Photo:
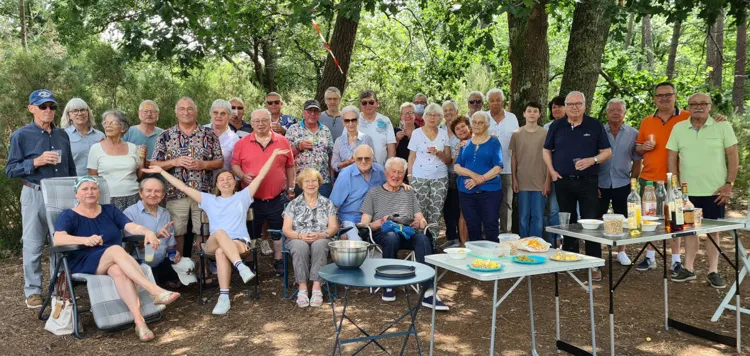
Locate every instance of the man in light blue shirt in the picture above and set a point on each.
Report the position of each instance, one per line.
(145, 133)
(147, 212)
(353, 184)
(615, 173)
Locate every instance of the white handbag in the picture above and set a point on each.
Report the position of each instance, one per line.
(60, 321)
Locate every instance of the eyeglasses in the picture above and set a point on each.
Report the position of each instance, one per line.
(46, 106)
(410, 113)
(576, 105)
(363, 159)
(350, 121)
(664, 96)
(238, 108)
(188, 109)
(333, 99)
(698, 105)
(150, 112)
(110, 123)
(368, 102)
(78, 111)
(475, 102)
(273, 102)
(263, 121)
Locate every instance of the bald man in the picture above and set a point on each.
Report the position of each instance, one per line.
(352, 185)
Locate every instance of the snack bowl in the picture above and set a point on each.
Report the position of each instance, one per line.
(590, 224)
(457, 253)
(650, 225)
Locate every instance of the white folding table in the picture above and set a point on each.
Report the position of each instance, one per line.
(512, 270)
(649, 238)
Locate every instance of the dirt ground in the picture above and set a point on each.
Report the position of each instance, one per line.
(271, 326)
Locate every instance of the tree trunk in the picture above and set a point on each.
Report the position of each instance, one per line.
(629, 35)
(647, 42)
(673, 49)
(529, 58)
(270, 58)
(342, 45)
(714, 56)
(257, 66)
(588, 37)
(22, 17)
(738, 90)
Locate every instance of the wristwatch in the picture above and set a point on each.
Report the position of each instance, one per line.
(730, 183)
(596, 160)
(291, 189)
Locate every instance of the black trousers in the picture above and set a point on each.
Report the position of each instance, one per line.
(451, 214)
(164, 273)
(267, 210)
(583, 192)
(618, 197)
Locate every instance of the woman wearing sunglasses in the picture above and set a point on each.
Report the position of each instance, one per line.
(377, 126)
(343, 147)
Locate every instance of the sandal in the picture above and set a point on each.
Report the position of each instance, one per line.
(317, 298)
(144, 334)
(303, 301)
(165, 298)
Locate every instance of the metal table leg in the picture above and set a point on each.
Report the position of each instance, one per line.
(666, 286)
(557, 314)
(591, 311)
(611, 305)
(494, 316)
(531, 316)
(434, 301)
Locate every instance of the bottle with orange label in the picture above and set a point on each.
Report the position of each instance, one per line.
(635, 226)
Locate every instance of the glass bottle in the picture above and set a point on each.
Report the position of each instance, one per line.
(649, 200)
(661, 198)
(675, 207)
(668, 204)
(688, 208)
(635, 226)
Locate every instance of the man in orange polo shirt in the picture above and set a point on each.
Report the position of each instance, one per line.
(652, 146)
(277, 189)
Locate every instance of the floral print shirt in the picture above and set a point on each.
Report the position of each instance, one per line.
(201, 144)
(306, 219)
(287, 121)
(319, 157)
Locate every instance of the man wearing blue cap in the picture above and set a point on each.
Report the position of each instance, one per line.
(38, 150)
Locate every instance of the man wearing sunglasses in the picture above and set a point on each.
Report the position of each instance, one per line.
(236, 119)
(38, 150)
(279, 122)
(352, 185)
(475, 101)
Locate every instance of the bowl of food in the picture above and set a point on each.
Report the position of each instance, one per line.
(649, 218)
(349, 254)
(590, 224)
(650, 225)
(457, 253)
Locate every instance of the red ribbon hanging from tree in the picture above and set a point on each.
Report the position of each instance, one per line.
(336, 61)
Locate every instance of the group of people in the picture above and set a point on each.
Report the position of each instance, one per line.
(343, 167)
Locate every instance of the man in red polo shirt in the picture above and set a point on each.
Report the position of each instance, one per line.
(250, 154)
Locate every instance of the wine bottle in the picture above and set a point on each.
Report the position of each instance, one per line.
(688, 207)
(635, 226)
(677, 220)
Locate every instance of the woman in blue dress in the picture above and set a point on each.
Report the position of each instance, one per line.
(227, 215)
(99, 228)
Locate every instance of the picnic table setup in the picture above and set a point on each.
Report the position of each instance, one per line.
(531, 260)
(741, 266)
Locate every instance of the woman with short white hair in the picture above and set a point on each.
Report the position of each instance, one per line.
(343, 147)
(78, 122)
(221, 111)
(429, 157)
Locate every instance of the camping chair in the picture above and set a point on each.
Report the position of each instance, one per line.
(365, 231)
(203, 260)
(285, 253)
(109, 311)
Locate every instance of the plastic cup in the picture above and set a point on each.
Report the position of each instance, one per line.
(59, 156)
(698, 217)
(652, 138)
(564, 219)
(149, 253)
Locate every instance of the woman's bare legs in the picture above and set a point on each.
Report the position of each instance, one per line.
(128, 293)
(116, 255)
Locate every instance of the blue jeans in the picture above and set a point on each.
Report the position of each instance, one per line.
(531, 213)
(553, 218)
(392, 242)
(480, 212)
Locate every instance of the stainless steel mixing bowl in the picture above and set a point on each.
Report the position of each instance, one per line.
(349, 254)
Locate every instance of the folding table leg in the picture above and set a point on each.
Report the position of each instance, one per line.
(591, 311)
(434, 301)
(611, 305)
(494, 316)
(531, 316)
(557, 313)
(666, 286)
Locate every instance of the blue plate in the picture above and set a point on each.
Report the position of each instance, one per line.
(485, 269)
(537, 260)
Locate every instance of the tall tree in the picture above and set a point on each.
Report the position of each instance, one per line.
(629, 35)
(740, 62)
(529, 56)
(588, 37)
(647, 42)
(22, 17)
(342, 46)
(673, 49)
(714, 52)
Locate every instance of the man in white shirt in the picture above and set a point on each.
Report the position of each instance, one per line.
(377, 126)
(502, 125)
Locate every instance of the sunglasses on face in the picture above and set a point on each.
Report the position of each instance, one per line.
(238, 108)
(475, 102)
(46, 106)
(367, 102)
(350, 121)
(273, 102)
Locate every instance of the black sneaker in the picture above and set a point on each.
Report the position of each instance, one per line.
(278, 267)
(646, 265)
(676, 267)
(389, 295)
(683, 275)
(439, 305)
(714, 279)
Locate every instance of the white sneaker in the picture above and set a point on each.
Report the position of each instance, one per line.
(246, 273)
(623, 258)
(265, 248)
(222, 306)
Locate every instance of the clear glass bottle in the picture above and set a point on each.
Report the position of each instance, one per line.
(635, 226)
(649, 200)
(688, 208)
(661, 198)
(668, 205)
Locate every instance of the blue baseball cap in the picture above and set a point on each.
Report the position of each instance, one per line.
(41, 96)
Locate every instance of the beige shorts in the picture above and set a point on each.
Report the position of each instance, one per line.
(180, 210)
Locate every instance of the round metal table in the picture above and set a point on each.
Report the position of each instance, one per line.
(365, 277)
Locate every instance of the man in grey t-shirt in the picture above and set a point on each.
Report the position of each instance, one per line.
(331, 118)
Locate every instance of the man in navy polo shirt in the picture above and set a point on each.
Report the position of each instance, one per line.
(574, 147)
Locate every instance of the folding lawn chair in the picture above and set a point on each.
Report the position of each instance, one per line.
(109, 311)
